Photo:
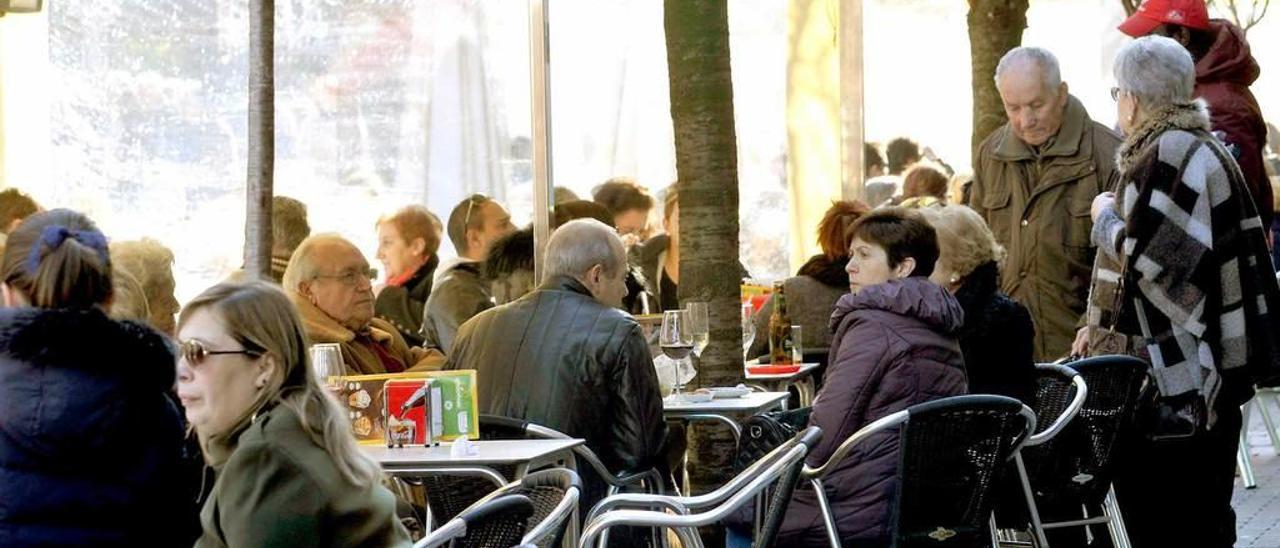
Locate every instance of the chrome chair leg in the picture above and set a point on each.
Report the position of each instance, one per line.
(828, 520)
(1261, 399)
(1243, 463)
(1037, 527)
(1119, 534)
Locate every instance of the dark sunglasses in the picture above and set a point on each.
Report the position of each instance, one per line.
(195, 352)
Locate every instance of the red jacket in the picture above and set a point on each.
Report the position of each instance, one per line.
(1223, 77)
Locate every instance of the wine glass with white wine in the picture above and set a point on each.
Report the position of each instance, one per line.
(748, 329)
(700, 327)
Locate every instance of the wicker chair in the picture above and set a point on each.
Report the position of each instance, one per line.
(951, 454)
(1059, 394)
(777, 469)
(1075, 468)
(554, 493)
(450, 492)
(494, 522)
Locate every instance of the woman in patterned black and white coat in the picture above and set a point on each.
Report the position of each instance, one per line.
(1184, 278)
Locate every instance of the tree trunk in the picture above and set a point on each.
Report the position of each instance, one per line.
(261, 156)
(697, 35)
(995, 27)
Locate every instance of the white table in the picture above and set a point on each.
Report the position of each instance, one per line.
(723, 410)
(802, 380)
(523, 454)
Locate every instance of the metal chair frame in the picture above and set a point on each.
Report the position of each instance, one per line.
(619, 510)
(893, 420)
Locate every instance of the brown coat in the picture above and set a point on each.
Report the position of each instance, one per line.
(1038, 209)
(358, 356)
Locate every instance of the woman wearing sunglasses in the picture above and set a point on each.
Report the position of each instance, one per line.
(289, 470)
(90, 443)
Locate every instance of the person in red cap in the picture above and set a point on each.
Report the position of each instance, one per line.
(1225, 69)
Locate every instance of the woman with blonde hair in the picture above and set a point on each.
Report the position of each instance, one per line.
(289, 470)
(997, 335)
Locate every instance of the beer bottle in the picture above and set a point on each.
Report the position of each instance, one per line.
(780, 343)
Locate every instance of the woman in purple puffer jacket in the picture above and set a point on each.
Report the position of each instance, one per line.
(895, 346)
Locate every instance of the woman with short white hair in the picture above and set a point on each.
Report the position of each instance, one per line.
(1182, 281)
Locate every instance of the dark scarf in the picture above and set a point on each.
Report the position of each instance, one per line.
(975, 295)
(828, 271)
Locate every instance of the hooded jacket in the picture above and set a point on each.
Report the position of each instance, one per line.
(90, 441)
(1223, 77)
(895, 346)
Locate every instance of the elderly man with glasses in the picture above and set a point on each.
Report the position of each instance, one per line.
(330, 282)
(460, 291)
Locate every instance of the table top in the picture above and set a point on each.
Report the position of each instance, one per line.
(491, 452)
(751, 403)
(805, 369)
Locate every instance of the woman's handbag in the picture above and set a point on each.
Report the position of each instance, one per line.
(765, 432)
(1158, 417)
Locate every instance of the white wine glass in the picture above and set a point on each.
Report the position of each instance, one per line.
(326, 359)
(748, 329)
(700, 327)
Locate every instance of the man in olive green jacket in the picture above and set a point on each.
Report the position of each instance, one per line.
(1034, 181)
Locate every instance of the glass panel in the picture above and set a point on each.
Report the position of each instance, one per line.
(378, 105)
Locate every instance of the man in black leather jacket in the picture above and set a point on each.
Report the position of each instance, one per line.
(565, 357)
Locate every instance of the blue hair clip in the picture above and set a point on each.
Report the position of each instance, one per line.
(53, 236)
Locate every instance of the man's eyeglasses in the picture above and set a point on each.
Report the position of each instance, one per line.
(352, 278)
(1115, 94)
(471, 204)
(195, 352)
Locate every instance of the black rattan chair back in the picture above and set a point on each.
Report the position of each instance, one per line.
(450, 494)
(1076, 467)
(495, 427)
(952, 452)
(502, 521)
(547, 489)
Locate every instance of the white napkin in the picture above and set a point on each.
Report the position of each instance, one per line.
(463, 447)
(667, 369)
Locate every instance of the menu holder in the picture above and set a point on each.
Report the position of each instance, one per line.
(455, 407)
(405, 427)
(365, 399)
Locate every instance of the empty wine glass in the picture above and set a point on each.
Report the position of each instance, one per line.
(700, 327)
(326, 358)
(676, 341)
(748, 329)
